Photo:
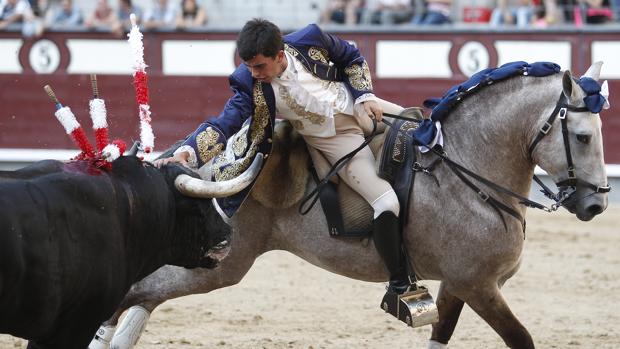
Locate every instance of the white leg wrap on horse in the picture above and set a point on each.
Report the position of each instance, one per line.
(102, 338)
(388, 201)
(131, 328)
(436, 345)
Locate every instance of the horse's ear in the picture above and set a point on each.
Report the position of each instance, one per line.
(594, 71)
(569, 86)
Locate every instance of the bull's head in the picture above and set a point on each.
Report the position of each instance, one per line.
(201, 238)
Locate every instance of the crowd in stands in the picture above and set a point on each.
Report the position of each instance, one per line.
(519, 13)
(34, 16)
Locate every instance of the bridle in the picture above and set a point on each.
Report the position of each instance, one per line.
(567, 187)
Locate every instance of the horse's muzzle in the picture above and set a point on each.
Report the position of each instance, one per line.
(590, 205)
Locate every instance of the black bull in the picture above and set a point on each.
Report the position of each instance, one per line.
(74, 239)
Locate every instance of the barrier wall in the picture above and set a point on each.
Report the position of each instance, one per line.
(188, 75)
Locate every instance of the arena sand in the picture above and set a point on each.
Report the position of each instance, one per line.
(567, 294)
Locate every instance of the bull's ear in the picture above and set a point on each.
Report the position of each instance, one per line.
(569, 86)
(594, 71)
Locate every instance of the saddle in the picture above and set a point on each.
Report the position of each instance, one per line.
(285, 179)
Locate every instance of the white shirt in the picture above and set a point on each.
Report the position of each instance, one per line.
(22, 7)
(309, 102)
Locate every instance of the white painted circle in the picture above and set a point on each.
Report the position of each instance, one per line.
(44, 57)
(473, 57)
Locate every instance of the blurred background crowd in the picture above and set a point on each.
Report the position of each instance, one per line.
(33, 17)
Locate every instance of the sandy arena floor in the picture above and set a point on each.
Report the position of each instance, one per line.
(567, 294)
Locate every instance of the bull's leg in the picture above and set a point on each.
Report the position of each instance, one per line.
(449, 311)
(489, 303)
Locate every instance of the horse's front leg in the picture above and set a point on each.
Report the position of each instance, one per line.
(489, 303)
(449, 308)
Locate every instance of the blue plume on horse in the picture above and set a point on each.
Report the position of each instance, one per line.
(594, 100)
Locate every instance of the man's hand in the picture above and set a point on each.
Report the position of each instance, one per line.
(373, 109)
(180, 158)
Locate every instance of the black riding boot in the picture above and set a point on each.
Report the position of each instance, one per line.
(387, 238)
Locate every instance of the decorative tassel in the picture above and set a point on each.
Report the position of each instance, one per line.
(114, 150)
(98, 115)
(147, 138)
(72, 126)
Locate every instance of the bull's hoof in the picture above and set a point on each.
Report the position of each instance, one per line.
(415, 307)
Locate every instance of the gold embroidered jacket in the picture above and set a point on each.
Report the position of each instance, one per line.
(245, 126)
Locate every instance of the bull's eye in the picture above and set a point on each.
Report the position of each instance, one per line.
(585, 139)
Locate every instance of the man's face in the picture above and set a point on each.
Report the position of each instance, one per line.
(264, 68)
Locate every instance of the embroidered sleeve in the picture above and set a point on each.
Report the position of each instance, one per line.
(209, 144)
(359, 76)
(206, 142)
(347, 57)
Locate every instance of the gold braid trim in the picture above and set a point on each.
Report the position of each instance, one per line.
(359, 76)
(291, 50)
(208, 147)
(225, 169)
(314, 118)
(318, 54)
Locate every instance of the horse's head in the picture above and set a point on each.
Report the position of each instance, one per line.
(569, 145)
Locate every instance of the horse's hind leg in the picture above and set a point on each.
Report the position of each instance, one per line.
(449, 311)
(489, 303)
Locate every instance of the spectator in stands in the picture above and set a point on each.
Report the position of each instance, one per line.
(103, 17)
(342, 12)
(125, 9)
(519, 12)
(68, 14)
(22, 14)
(39, 7)
(163, 14)
(35, 24)
(192, 15)
(437, 13)
(389, 12)
(596, 11)
(615, 7)
(582, 12)
(14, 11)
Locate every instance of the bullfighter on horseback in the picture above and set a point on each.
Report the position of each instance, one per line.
(322, 85)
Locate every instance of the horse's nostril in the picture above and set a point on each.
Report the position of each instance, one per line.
(595, 209)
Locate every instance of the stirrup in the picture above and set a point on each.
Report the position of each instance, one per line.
(415, 307)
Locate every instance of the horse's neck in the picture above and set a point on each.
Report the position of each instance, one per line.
(490, 132)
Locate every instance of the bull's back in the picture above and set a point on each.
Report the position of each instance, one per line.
(56, 232)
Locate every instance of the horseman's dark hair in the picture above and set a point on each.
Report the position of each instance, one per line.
(259, 36)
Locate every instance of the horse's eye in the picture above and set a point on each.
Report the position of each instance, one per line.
(585, 139)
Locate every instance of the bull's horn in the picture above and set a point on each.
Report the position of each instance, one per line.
(199, 188)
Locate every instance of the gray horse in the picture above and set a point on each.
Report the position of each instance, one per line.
(452, 235)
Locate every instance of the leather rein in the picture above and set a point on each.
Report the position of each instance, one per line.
(566, 188)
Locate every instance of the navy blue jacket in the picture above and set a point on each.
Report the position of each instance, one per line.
(252, 108)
